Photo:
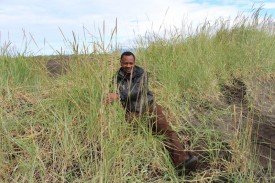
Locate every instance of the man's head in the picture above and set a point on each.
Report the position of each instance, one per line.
(127, 61)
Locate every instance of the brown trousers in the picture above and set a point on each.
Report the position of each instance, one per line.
(160, 126)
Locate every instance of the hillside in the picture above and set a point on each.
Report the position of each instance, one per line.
(217, 87)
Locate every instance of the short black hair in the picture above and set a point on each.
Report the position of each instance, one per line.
(127, 53)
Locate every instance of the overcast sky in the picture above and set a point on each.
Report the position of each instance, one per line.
(46, 21)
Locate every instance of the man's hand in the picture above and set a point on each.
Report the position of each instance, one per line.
(111, 97)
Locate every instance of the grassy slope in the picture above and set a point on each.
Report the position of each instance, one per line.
(57, 129)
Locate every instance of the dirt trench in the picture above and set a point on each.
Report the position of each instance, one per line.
(255, 102)
(250, 106)
(263, 98)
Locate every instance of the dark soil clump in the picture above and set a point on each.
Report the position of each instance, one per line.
(235, 93)
(57, 66)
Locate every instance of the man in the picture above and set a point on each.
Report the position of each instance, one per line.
(137, 99)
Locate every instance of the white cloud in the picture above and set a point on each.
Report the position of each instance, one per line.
(43, 18)
(269, 5)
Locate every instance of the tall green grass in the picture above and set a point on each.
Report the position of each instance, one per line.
(59, 130)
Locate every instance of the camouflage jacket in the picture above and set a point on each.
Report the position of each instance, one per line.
(133, 90)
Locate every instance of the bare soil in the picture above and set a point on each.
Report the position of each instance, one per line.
(263, 98)
(252, 106)
(255, 104)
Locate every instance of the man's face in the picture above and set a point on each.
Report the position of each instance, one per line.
(127, 63)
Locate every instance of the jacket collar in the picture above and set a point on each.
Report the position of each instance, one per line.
(122, 74)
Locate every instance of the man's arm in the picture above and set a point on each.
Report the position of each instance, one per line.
(112, 96)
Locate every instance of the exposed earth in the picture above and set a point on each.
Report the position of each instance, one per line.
(252, 107)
